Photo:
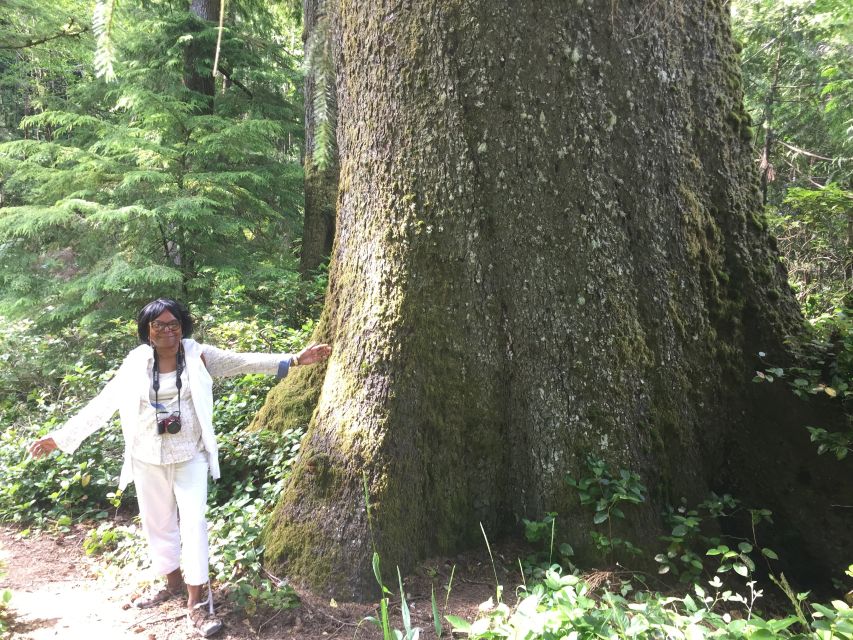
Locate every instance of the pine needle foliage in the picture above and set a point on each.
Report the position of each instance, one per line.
(43, 46)
(320, 64)
(117, 192)
(102, 24)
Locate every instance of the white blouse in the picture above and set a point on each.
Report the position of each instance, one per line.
(129, 393)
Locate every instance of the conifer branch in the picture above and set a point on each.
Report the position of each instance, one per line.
(102, 24)
(319, 63)
(64, 33)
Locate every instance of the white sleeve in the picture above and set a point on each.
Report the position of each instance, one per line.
(91, 417)
(222, 363)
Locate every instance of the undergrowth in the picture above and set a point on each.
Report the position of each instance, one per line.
(55, 492)
(717, 593)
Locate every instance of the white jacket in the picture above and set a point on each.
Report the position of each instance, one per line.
(128, 393)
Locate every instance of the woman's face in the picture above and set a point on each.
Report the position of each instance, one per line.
(165, 331)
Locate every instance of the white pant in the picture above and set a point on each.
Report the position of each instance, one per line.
(164, 491)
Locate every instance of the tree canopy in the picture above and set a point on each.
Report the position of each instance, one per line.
(117, 191)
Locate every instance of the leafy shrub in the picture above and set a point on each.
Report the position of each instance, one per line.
(59, 488)
(566, 607)
(824, 368)
(5, 598)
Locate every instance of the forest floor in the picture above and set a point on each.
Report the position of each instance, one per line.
(59, 592)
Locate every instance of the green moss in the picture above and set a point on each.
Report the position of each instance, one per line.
(295, 546)
(290, 404)
(733, 120)
(757, 220)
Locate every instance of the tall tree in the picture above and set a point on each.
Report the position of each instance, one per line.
(139, 185)
(550, 245)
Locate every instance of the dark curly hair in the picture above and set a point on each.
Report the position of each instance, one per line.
(153, 309)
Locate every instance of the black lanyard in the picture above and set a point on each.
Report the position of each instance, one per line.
(178, 382)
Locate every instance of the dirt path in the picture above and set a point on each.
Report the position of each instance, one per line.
(54, 591)
(57, 594)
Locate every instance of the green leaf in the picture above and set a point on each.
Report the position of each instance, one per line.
(404, 606)
(769, 553)
(458, 623)
(376, 573)
(741, 569)
(436, 618)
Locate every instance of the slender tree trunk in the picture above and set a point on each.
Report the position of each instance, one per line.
(549, 247)
(767, 169)
(321, 183)
(198, 55)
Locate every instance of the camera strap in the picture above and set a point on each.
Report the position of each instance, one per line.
(155, 382)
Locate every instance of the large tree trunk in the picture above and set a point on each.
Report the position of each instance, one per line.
(549, 246)
(321, 182)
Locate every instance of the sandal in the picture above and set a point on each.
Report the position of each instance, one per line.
(152, 597)
(202, 621)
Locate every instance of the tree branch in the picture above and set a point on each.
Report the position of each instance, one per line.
(803, 151)
(65, 33)
(236, 82)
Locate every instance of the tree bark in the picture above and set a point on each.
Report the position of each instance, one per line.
(198, 55)
(321, 184)
(549, 246)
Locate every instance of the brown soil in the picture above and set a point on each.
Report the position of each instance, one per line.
(57, 594)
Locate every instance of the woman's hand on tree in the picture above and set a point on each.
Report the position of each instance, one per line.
(314, 353)
(42, 447)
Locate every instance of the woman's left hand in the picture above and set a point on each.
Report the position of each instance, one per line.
(314, 353)
(42, 447)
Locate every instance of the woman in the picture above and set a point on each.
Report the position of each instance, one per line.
(163, 392)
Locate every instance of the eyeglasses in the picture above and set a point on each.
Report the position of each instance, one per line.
(174, 326)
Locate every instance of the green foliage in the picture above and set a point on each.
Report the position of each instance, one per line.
(383, 622)
(319, 65)
(812, 226)
(824, 369)
(542, 535)
(565, 606)
(795, 58)
(5, 598)
(102, 23)
(43, 46)
(58, 489)
(606, 492)
(125, 191)
(686, 539)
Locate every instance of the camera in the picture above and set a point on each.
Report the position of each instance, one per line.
(170, 424)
